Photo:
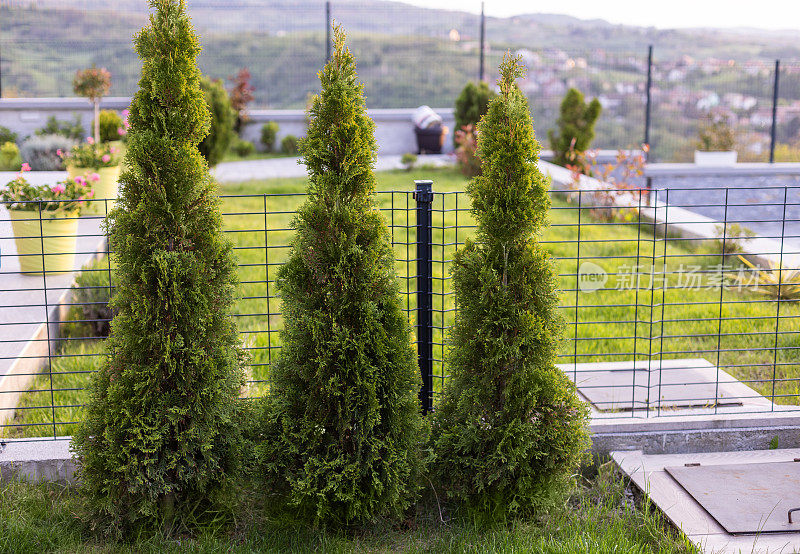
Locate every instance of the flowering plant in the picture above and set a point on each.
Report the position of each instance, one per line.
(91, 154)
(68, 195)
(93, 83)
(123, 131)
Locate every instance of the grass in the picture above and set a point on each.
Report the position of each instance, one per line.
(602, 515)
(734, 330)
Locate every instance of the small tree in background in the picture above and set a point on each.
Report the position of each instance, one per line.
(471, 105)
(510, 429)
(93, 83)
(158, 441)
(220, 135)
(575, 128)
(241, 95)
(343, 427)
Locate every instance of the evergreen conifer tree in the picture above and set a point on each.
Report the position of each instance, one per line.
(576, 122)
(158, 442)
(509, 428)
(343, 422)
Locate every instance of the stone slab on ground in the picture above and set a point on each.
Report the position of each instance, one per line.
(691, 385)
(37, 460)
(648, 473)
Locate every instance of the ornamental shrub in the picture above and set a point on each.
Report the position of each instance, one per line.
(93, 83)
(289, 144)
(69, 129)
(7, 135)
(241, 95)
(242, 148)
(269, 132)
(110, 124)
(471, 105)
(509, 430)
(343, 427)
(216, 144)
(41, 151)
(159, 441)
(575, 129)
(10, 159)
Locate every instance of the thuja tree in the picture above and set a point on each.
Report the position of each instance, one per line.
(343, 423)
(509, 429)
(158, 441)
(575, 123)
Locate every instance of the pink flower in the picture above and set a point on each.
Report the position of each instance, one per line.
(58, 188)
(113, 150)
(91, 194)
(90, 140)
(125, 113)
(122, 132)
(80, 180)
(106, 158)
(60, 153)
(25, 167)
(94, 177)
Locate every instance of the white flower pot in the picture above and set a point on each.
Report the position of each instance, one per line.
(715, 158)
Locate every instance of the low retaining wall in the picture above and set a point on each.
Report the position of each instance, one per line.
(394, 130)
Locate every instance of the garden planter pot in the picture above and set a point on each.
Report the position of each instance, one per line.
(715, 158)
(104, 189)
(58, 234)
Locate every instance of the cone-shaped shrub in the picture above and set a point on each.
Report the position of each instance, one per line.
(576, 122)
(158, 439)
(343, 422)
(509, 429)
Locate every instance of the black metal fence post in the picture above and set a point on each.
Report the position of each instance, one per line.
(482, 67)
(327, 32)
(423, 194)
(648, 99)
(773, 132)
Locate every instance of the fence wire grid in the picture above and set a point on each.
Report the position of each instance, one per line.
(657, 323)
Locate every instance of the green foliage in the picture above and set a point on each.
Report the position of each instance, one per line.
(471, 105)
(343, 428)
(221, 133)
(510, 429)
(242, 148)
(110, 124)
(158, 445)
(41, 151)
(269, 132)
(92, 83)
(715, 134)
(69, 129)
(10, 159)
(408, 160)
(289, 144)
(575, 124)
(89, 314)
(7, 135)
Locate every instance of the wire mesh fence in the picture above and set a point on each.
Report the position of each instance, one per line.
(659, 320)
(410, 56)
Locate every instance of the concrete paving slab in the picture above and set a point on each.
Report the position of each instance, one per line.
(648, 473)
(692, 385)
(745, 498)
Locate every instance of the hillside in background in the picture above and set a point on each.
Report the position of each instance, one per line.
(408, 56)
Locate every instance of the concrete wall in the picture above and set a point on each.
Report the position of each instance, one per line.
(393, 128)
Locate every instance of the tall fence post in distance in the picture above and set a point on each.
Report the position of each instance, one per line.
(774, 130)
(482, 65)
(327, 32)
(648, 98)
(1, 71)
(423, 194)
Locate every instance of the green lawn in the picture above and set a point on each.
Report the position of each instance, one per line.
(601, 516)
(737, 334)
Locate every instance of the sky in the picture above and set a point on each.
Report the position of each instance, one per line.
(764, 14)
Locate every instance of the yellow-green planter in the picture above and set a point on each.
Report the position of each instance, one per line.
(105, 190)
(57, 233)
